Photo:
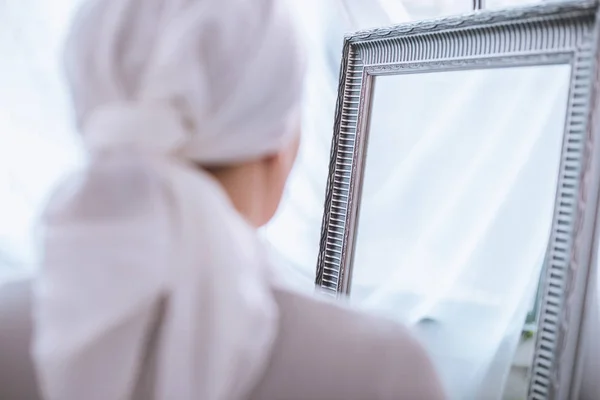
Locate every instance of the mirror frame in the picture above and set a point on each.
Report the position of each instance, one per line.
(550, 33)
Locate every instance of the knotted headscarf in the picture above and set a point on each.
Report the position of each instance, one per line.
(161, 87)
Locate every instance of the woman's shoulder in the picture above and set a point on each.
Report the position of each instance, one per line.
(326, 350)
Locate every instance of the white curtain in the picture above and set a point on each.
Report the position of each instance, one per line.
(457, 207)
(37, 146)
(294, 233)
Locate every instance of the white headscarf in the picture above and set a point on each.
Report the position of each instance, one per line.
(158, 86)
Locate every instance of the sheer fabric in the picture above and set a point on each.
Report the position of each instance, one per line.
(455, 224)
(36, 145)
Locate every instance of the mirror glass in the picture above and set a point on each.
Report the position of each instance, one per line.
(460, 180)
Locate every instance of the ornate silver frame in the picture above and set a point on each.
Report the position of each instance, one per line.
(557, 32)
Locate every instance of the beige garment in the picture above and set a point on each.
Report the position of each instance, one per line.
(322, 352)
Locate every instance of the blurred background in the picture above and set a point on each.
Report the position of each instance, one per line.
(38, 143)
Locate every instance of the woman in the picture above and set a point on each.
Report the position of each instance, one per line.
(154, 283)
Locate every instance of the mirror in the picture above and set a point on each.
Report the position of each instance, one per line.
(457, 204)
(463, 191)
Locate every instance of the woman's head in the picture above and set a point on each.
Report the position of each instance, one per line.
(256, 187)
(227, 74)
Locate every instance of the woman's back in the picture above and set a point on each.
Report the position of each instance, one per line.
(322, 351)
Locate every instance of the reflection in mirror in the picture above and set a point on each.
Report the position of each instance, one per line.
(456, 209)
